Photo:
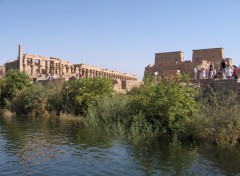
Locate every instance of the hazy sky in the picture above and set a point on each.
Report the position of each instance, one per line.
(121, 35)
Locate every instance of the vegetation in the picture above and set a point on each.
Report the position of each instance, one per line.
(157, 108)
(219, 119)
(73, 97)
(81, 93)
(12, 83)
(171, 108)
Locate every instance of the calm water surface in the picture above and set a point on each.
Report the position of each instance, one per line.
(38, 147)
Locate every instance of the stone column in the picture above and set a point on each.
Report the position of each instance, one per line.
(87, 73)
(47, 67)
(82, 72)
(40, 66)
(32, 67)
(20, 58)
(24, 63)
(90, 73)
(60, 69)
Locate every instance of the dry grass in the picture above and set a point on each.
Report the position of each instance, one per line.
(70, 117)
(7, 115)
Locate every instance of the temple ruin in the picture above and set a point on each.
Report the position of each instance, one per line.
(41, 67)
(170, 63)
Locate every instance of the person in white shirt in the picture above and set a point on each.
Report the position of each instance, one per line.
(229, 72)
(203, 73)
(195, 72)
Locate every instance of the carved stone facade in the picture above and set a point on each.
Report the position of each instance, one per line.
(170, 63)
(40, 68)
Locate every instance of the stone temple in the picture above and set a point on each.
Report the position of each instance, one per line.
(170, 63)
(41, 67)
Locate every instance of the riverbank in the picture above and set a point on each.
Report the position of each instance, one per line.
(171, 108)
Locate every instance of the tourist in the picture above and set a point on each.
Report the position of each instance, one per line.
(195, 72)
(229, 72)
(223, 68)
(219, 73)
(207, 73)
(211, 66)
(214, 73)
(211, 71)
(235, 72)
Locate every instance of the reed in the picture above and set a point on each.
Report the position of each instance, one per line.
(219, 120)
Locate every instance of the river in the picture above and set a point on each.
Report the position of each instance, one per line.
(47, 147)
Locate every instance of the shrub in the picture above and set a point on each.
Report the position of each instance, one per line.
(32, 100)
(219, 119)
(11, 84)
(168, 104)
(81, 93)
(108, 110)
(55, 96)
(155, 108)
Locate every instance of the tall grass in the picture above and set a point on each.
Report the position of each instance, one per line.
(113, 114)
(109, 110)
(219, 119)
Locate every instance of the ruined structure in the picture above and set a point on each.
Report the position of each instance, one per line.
(170, 63)
(40, 68)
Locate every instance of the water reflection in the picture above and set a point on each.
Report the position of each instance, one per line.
(226, 159)
(43, 147)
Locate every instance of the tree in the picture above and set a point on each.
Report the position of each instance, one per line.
(11, 84)
(168, 104)
(81, 93)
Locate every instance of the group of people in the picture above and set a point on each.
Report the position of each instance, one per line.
(224, 71)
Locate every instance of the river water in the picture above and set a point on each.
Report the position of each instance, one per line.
(41, 147)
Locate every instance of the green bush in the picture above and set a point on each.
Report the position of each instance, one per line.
(31, 100)
(10, 85)
(81, 93)
(55, 91)
(108, 110)
(170, 104)
(156, 108)
(219, 119)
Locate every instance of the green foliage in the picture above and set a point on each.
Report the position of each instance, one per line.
(55, 92)
(156, 108)
(11, 84)
(169, 103)
(39, 99)
(81, 93)
(173, 108)
(108, 110)
(32, 100)
(219, 119)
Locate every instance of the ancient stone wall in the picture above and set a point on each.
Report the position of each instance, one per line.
(85, 70)
(214, 55)
(41, 68)
(128, 84)
(171, 62)
(220, 85)
(14, 65)
(168, 57)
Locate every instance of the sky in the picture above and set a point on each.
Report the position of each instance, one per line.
(120, 35)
